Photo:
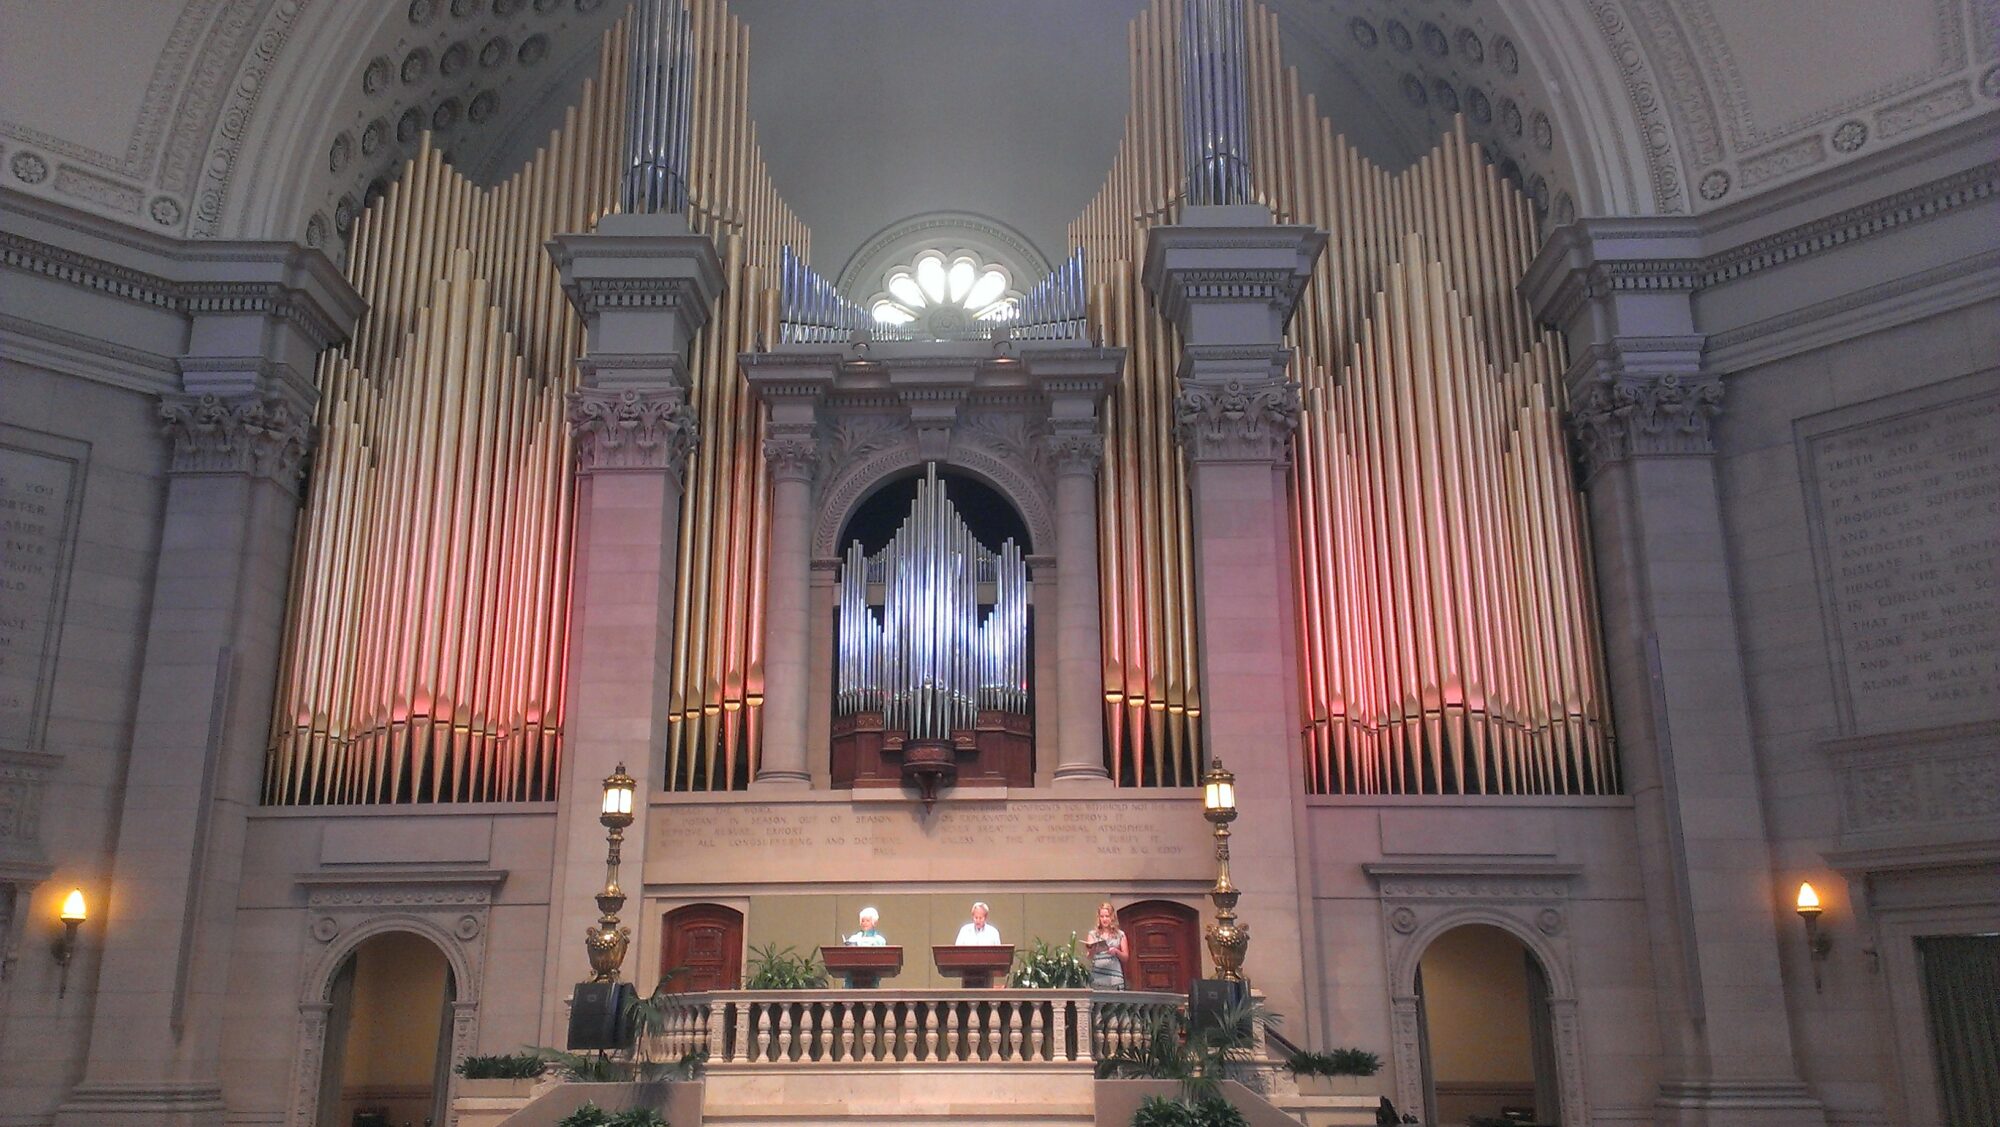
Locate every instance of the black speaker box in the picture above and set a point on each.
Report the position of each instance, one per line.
(1210, 1000)
(597, 1014)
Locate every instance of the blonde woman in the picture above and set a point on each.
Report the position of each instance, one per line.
(1108, 950)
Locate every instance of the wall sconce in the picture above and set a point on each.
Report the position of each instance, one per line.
(1817, 944)
(74, 912)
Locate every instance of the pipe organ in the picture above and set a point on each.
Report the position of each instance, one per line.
(425, 656)
(932, 645)
(1448, 629)
(934, 627)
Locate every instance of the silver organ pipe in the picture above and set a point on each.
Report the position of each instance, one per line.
(1214, 89)
(934, 627)
(659, 114)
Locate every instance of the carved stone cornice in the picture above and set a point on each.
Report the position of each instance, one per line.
(1230, 256)
(1627, 416)
(1237, 420)
(259, 435)
(1277, 288)
(593, 296)
(792, 449)
(631, 430)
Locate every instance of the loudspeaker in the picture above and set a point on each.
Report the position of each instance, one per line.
(597, 1014)
(1211, 999)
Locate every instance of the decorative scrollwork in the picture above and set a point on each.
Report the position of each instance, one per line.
(632, 429)
(792, 449)
(1645, 416)
(238, 434)
(1237, 420)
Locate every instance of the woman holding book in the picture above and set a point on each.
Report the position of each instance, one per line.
(1108, 950)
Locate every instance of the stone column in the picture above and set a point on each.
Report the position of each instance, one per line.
(791, 447)
(1075, 448)
(1642, 409)
(238, 434)
(1228, 279)
(644, 285)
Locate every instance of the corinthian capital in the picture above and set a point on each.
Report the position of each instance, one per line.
(1074, 450)
(263, 436)
(792, 449)
(1637, 416)
(1237, 420)
(632, 429)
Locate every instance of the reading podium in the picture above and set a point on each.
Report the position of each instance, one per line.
(975, 965)
(863, 966)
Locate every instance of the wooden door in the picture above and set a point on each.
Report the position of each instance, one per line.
(702, 949)
(1166, 945)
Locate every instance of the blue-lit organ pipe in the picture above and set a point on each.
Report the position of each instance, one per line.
(934, 626)
(1214, 91)
(659, 113)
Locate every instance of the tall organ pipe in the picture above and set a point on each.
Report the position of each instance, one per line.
(659, 107)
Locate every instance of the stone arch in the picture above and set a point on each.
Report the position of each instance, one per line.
(315, 994)
(846, 487)
(1536, 928)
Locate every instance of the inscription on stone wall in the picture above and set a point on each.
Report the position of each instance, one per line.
(731, 843)
(37, 484)
(1908, 539)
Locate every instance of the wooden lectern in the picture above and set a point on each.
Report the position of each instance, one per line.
(863, 966)
(976, 965)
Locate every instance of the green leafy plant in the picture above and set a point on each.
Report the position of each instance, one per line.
(786, 969)
(1051, 968)
(512, 1066)
(591, 1069)
(1202, 1111)
(1339, 1062)
(1200, 1059)
(590, 1115)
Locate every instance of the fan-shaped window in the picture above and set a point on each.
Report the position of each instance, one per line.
(939, 292)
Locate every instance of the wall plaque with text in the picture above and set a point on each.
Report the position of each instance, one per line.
(40, 481)
(1905, 507)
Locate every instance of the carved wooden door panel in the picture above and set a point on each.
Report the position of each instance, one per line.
(702, 949)
(1166, 945)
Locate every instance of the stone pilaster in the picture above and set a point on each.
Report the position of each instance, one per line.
(1229, 278)
(1643, 409)
(238, 432)
(644, 285)
(792, 398)
(1075, 449)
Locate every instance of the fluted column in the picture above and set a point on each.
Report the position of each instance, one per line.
(644, 285)
(1643, 406)
(791, 446)
(1075, 448)
(238, 434)
(1228, 279)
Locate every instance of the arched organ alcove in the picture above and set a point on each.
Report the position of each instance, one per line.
(931, 658)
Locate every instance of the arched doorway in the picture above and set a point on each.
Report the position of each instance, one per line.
(702, 949)
(1165, 938)
(1485, 1028)
(387, 1056)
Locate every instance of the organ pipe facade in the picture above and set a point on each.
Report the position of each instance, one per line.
(1448, 629)
(1145, 557)
(425, 648)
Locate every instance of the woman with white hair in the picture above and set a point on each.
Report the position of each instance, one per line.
(979, 933)
(868, 936)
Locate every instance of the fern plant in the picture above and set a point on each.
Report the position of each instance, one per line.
(786, 969)
(590, 1115)
(513, 1066)
(1051, 968)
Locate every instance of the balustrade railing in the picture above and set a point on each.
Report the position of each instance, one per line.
(875, 1027)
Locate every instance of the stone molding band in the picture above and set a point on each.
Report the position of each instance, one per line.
(632, 430)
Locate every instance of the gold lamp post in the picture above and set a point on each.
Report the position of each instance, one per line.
(608, 941)
(1227, 940)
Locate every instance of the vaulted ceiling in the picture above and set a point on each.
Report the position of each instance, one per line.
(271, 118)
